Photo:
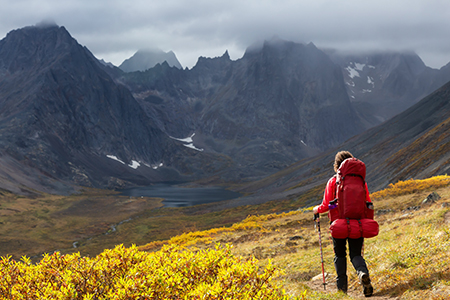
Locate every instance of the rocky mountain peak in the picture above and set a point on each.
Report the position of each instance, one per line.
(383, 84)
(31, 47)
(148, 58)
(62, 114)
(73, 119)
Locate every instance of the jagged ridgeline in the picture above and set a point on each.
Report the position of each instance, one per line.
(66, 118)
(62, 115)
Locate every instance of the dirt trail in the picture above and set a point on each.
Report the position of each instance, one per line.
(355, 293)
(447, 218)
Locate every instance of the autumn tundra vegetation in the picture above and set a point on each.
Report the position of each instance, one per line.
(270, 256)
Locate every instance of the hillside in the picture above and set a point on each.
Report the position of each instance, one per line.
(63, 118)
(407, 260)
(68, 120)
(413, 144)
(384, 84)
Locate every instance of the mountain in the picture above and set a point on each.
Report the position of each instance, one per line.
(282, 91)
(383, 84)
(63, 115)
(67, 119)
(279, 103)
(413, 144)
(146, 59)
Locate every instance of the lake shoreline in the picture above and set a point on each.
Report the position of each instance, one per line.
(180, 196)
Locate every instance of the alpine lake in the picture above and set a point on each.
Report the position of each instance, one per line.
(178, 196)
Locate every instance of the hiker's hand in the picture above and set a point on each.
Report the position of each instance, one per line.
(316, 216)
(316, 210)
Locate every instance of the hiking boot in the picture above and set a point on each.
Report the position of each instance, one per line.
(342, 289)
(364, 279)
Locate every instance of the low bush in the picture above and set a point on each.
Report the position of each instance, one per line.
(127, 273)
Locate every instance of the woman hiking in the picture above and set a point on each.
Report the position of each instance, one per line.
(339, 245)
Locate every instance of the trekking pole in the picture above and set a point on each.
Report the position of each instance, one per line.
(317, 219)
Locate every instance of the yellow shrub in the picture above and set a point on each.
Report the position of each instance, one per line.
(412, 186)
(127, 273)
(206, 236)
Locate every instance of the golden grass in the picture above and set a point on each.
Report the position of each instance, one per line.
(32, 226)
(409, 259)
(412, 186)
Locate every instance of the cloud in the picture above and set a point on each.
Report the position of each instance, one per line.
(116, 29)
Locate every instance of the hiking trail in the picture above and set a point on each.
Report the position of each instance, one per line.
(316, 284)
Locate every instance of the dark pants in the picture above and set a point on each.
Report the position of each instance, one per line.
(340, 259)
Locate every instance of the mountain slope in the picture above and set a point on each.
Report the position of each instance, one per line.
(383, 84)
(65, 117)
(280, 103)
(416, 142)
(413, 144)
(283, 90)
(62, 114)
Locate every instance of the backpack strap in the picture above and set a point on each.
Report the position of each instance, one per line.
(348, 226)
(360, 228)
(355, 175)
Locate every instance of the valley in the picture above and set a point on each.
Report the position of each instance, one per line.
(75, 131)
(93, 220)
(407, 260)
(68, 119)
(45, 223)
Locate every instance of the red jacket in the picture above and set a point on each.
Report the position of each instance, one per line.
(329, 195)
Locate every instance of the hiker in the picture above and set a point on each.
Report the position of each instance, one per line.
(339, 245)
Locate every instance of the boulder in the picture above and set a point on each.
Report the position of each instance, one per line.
(431, 198)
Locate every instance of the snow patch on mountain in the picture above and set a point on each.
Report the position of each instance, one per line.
(352, 72)
(359, 66)
(189, 142)
(134, 164)
(115, 158)
(354, 69)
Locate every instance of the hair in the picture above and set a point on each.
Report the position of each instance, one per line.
(340, 157)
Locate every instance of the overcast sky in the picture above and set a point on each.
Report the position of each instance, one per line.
(115, 29)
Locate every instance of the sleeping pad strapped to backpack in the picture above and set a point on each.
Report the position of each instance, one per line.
(355, 213)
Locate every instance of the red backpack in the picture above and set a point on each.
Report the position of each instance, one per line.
(351, 189)
(355, 212)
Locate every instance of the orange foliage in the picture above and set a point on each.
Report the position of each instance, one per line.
(412, 186)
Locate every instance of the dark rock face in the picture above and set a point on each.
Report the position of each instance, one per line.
(381, 85)
(62, 114)
(281, 102)
(413, 144)
(67, 118)
(284, 91)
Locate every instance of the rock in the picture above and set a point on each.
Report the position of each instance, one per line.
(445, 204)
(431, 198)
(383, 211)
(411, 208)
